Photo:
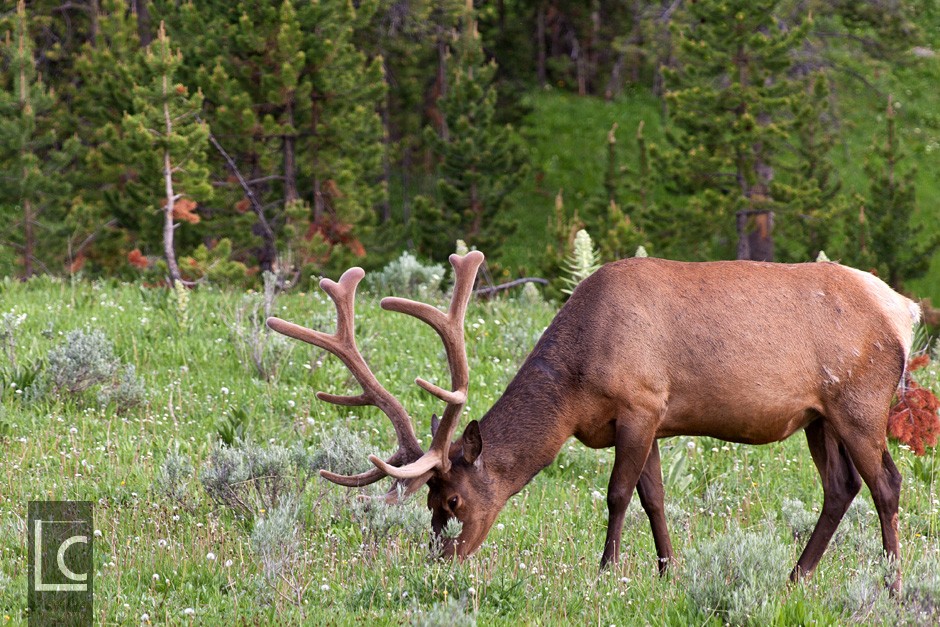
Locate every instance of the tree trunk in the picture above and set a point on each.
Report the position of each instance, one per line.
(385, 209)
(168, 227)
(29, 238)
(540, 41)
(262, 227)
(140, 8)
(290, 163)
(319, 207)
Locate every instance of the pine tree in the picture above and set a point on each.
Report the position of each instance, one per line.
(104, 213)
(171, 142)
(729, 106)
(346, 142)
(900, 248)
(32, 156)
(480, 161)
(813, 212)
(632, 187)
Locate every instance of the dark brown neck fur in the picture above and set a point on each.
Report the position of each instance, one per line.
(524, 430)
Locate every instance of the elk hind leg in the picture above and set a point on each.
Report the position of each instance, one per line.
(650, 490)
(632, 444)
(840, 482)
(870, 454)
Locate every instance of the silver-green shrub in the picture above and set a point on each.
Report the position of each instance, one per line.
(737, 575)
(275, 538)
(174, 474)
(342, 451)
(450, 613)
(127, 391)
(406, 276)
(85, 359)
(250, 479)
(381, 522)
(797, 518)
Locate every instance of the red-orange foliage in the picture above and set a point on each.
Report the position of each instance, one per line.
(137, 259)
(913, 419)
(77, 263)
(334, 232)
(185, 211)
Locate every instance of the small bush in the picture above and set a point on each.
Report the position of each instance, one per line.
(84, 360)
(275, 538)
(406, 276)
(381, 522)
(920, 594)
(343, 452)
(797, 518)
(174, 475)
(737, 575)
(127, 392)
(250, 479)
(450, 613)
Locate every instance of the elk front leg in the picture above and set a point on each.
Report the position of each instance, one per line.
(631, 450)
(650, 489)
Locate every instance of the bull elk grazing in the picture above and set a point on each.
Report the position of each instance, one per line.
(646, 349)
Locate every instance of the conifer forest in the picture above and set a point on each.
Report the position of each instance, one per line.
(202, 140)
(178, 179)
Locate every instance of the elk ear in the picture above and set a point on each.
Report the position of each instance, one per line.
(435, 423)
(472, 442)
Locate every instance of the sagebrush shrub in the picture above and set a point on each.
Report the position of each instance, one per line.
(127, 391)
(84, 360)
(249, 478)
(450, 613)
(380, 521)
(406, 276)
(342, 451)
(737, 575)
(797, 518)
(275, 538)
(173, 475)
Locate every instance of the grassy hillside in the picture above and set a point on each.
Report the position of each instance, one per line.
(739, 515)
(567, 136)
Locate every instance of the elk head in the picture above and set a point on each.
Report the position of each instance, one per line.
(452, 470)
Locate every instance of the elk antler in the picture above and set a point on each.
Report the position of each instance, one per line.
(450, 327)
(408, 462)
(343, 345)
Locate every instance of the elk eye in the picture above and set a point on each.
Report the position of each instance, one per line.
(452, 502)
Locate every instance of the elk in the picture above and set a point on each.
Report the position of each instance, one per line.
(645, 349)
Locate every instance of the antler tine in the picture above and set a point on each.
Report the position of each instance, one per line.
(343, 345)
(450, 327)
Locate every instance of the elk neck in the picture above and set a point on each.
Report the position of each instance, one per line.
(526, 428)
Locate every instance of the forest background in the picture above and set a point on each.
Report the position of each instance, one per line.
(212, 140)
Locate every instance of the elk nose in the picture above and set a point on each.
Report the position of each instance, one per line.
(449, 548)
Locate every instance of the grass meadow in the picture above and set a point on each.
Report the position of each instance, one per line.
(191, 531)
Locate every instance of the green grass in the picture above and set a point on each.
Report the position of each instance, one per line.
(539, 564)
